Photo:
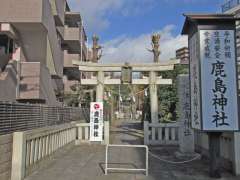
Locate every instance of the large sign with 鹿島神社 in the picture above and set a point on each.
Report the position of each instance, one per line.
(96, 121)
(218, 81)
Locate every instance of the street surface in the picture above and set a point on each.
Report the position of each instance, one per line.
(86, 162)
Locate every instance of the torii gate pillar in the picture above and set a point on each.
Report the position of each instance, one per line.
(100, 86)
(153, 97)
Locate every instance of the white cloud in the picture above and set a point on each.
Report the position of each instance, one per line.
(127, 49)
(96, 13)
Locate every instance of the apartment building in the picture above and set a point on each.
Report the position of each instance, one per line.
(38, 41)
(233, 7)
(74, 47)
(183, 55)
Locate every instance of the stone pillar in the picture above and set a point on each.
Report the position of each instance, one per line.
(186, 133)
(18, 156)
(236, 155)
(92, 95)
(100, 87)
(106, 132)
(153, 97)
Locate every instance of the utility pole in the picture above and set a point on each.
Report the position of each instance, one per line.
(119, 98)
(81, 30)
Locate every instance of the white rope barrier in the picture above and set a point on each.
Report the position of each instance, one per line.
(174, 162)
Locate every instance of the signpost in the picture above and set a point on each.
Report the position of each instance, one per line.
(96, 121)
(213, 78)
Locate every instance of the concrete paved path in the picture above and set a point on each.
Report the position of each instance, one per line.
(87, 162)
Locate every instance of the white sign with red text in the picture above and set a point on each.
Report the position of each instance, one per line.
(96, 121)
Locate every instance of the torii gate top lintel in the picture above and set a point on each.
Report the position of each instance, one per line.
(117, 67)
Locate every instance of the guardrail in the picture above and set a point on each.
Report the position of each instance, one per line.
(161, 134)
(125, 169)
(21, 117)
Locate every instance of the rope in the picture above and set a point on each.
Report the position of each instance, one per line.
(116, 92)
(173, 162)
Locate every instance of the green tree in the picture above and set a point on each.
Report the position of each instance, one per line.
(168, 98)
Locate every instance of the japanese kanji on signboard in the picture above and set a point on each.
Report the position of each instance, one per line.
(213, 72)
(218, 80)
(96, 121)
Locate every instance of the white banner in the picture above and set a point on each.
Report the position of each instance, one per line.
(96, 121)
(218, 80)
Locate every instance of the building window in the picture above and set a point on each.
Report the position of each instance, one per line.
(6, 45)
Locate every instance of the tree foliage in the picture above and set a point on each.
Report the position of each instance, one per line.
(167, 94)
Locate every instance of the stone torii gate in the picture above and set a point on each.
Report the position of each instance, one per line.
(152, 80)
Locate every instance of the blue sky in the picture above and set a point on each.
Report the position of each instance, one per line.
(125, 26)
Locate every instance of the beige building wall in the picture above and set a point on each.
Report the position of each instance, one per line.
(39, 27)
(57, 53)
(36, 83)
(47, 89)
(8, 83)
(30, 80)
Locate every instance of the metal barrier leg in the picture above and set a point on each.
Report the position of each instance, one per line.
(126, 169)
(106, 159)
(147, 161)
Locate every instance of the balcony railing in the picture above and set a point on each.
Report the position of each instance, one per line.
(229, 5)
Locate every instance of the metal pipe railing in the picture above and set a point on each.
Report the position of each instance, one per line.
(19, 117)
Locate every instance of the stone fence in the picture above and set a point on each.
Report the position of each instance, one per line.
(26, 151)
(83, 133)
(229, 149)
(161, 133)
(174, 134)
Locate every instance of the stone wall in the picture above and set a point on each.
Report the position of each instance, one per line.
(226, 147)
(5, 156)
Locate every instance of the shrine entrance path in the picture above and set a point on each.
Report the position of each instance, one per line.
(86, 162)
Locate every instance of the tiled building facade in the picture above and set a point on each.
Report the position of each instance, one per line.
(38, 41)
(183, 55)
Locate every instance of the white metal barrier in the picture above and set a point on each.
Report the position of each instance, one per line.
(125, 169)
(161, 134)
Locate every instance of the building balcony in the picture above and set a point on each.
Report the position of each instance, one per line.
(36, 84)
(72, 38)
(36, 27)
(74, 33)
(30, 81)
(68, 58)
(230, 5)
(70, 71)
(16, 11)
